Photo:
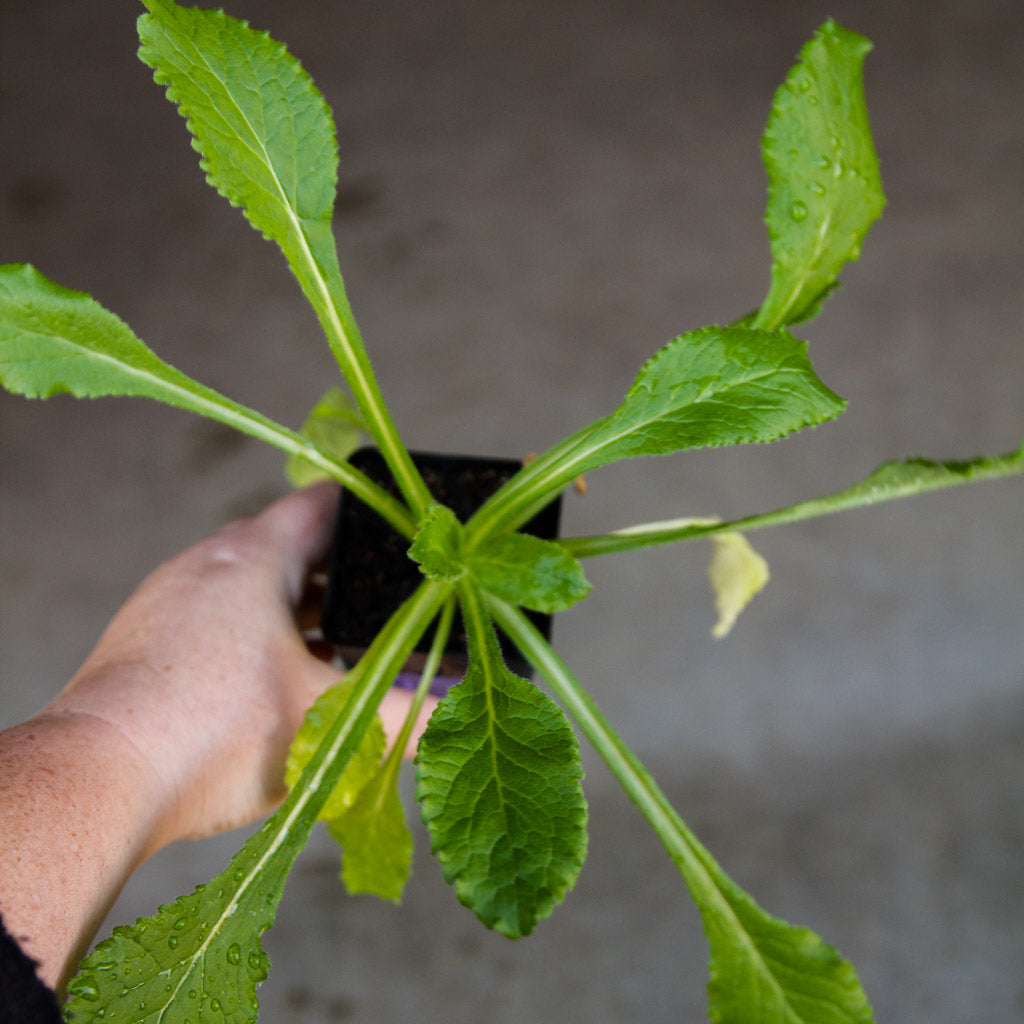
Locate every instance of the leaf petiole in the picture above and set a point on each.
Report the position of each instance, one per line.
(889, 482)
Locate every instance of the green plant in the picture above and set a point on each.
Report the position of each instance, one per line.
(267, 143)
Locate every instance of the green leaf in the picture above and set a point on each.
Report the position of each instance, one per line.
(763, 971)
(715, 386)
(528, 571)
(266, 139)
(376, 841)
(333, 426)
(498, 780)
(825, 189)
(365, 762)
(712, 387)
(54, 340)
(437, 545)
(253, 112)
(200, 957)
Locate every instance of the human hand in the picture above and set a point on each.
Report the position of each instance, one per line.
(205, 673)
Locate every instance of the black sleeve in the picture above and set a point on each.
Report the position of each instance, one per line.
(24, 999)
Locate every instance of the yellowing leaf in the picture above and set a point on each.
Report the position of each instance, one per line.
(334, 426)
(365, 762)
(737, 572)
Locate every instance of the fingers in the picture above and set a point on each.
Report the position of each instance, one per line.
(300, 527)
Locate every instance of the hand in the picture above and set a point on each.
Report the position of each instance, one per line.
(204, 671)
(177, 725)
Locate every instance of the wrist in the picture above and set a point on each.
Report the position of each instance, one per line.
(77, 816)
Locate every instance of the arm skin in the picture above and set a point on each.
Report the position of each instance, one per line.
(176, 726)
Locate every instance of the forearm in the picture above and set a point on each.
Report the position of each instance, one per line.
(77, 816)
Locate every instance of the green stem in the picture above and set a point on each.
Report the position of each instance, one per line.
(207, 402)
(694, 862)
(533, 487)
(330, 301)
(427, 676)
(891, 481)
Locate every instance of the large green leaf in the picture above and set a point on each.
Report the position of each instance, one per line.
(715, 386)
(266, 139)
(712, 387)
(263, 131)
(55, 340)
(825, 190)
(498, 780)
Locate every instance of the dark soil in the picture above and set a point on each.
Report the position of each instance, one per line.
(371, 573)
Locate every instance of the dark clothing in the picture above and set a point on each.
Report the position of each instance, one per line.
(24, 999)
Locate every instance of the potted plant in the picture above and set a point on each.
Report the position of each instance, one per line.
(497, 741)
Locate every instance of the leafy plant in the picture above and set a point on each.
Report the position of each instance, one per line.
(498, 768)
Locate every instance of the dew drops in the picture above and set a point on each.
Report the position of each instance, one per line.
(817, 188)
(824, 162)
(173, 942)
(805, 85)
(215, 1005)
(192, 993)
(234, 953)
(180, 923)
(798, 210)
(87, 990)
(238, 874)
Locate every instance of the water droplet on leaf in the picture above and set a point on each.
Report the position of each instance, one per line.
(87, 990)
(798, 211)
(234, 953)
(173, 942)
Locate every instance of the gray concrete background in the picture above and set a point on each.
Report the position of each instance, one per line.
(534, 197)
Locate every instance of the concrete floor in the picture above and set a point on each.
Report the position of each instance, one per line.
(534, 197)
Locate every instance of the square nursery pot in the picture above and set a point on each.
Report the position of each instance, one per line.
(370, 572)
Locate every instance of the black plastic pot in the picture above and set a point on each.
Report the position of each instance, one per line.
(371, 573)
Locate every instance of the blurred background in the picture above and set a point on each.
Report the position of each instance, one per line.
(533, 198)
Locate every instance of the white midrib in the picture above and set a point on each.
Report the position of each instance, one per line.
(354, 370)
(357, 704)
